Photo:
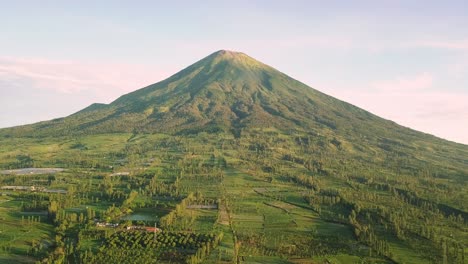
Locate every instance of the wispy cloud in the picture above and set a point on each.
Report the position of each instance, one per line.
(105, 80)
(413, 101)
(405, 84)
(41, 89)
(461, 45)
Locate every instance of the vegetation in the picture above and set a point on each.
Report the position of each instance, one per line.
(145, 247)
(230, 161)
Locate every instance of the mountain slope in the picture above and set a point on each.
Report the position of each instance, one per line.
(226, 91)
(232, 92)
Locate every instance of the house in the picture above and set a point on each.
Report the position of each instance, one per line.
(152, 229)
(146, 228)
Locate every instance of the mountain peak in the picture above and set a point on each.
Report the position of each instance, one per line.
(235, 58)
(228, 54)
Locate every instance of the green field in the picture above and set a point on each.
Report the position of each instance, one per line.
(265, 215)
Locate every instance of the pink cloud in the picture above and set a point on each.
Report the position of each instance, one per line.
(413, 101)
(444, 114)
(404, 83)
(107, 81)
(451, 45)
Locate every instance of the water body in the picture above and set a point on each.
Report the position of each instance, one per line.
(145, 214)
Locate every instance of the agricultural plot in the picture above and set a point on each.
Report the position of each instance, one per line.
(146, 247)
(24, 236)
(269, 208)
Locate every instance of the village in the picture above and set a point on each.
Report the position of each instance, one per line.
(128, 228)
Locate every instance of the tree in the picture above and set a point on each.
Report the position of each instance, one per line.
(24, 161)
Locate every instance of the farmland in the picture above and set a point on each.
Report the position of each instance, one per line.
(241, 205)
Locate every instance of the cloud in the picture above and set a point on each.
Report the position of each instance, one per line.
(33, 89)
(461, 45)
(413, 101)
(106, 81)
(404, 83)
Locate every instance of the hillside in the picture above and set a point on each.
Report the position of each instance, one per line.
(230, 92)
(226, 91)
(237, 163)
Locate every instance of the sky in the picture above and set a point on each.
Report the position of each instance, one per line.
(406, 61)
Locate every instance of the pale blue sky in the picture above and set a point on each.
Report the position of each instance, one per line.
(403, 60)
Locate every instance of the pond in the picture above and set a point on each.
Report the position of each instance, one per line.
(146, 214)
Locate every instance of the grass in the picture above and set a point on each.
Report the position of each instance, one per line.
(17, 231)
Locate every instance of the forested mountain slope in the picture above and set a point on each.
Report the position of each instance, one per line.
(285, 172)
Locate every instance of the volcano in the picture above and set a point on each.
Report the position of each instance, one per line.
(225, 92)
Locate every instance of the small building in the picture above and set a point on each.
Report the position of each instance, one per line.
(152, 229)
